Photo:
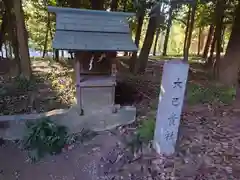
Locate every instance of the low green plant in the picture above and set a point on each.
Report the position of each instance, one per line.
(3, 91)
(200, 94)
(24, 84)
(146, 130)
(143, 135)
(44, 137)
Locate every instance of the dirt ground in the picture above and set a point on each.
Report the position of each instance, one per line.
(208, 146)
(43, 93)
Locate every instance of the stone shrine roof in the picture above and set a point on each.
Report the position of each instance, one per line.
(92, 30)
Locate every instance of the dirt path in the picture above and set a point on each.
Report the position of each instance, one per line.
(208, 148)
(83, 161)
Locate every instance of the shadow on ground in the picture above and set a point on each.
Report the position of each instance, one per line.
(41, 94)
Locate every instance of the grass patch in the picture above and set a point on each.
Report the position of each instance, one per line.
(200, 94)
(142, 136)
(192, 58)
(44, 137)
(146, 130)
(18, 85)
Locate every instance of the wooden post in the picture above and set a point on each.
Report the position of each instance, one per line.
(113, 74)
(78, 88)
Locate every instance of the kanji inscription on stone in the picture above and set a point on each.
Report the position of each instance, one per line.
(171, 97)
(178, 84)
(172, 119)
(169, 135)
(176, 101)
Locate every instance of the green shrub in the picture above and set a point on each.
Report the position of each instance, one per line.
(23, 84)
(44, 137)
(3, 91)
(199, 94)
(144, 135)
(146, 130)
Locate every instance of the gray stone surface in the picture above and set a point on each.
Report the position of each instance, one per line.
(94, 99)
(98, 120)
(170, 106)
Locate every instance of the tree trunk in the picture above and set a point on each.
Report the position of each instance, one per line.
(210, 61)
(46, 36)
(114, 5)
(11, 27)
(143, 57)
(6, 50)
(139, 29)
(97, 4)
(15, 44)
(10, 50)
(21, 36)
(223, 40)
(169, 24)
(71, 55)
(137, 40)
(199, 40)
(208, 42)
(229, 67)
(186, 33)
(16, 55)
(125, 6)
(156, 41)
(189, 38)
(50, 31)
(218, 31)
(4, 26)
(56, 52)
(75, 3)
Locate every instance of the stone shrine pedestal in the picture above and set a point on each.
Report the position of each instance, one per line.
(96, 81)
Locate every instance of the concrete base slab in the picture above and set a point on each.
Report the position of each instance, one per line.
(13, 127)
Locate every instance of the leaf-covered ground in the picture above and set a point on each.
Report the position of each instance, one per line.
(50, 88)
(208, 146)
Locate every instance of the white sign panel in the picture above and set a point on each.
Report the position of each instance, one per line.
(171, 99)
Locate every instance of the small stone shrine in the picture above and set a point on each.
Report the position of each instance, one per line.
(94, 37)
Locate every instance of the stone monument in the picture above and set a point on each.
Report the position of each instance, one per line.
(171, 99)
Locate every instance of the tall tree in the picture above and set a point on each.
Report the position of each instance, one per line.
(229, 66)
(74, 3)
(199, 40)
(210, 61)
(22, 39)
(3, 28)
(97, 5)
(56, 55)
(218, 26)
(125, 5)
(169, 24)
(208, 41)
(219, 31)
(191, 25)
(114, 5)
(143, 57)
(12, 29)
(140, 20)
(187, 33)
(46, 36)
(156, 41)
